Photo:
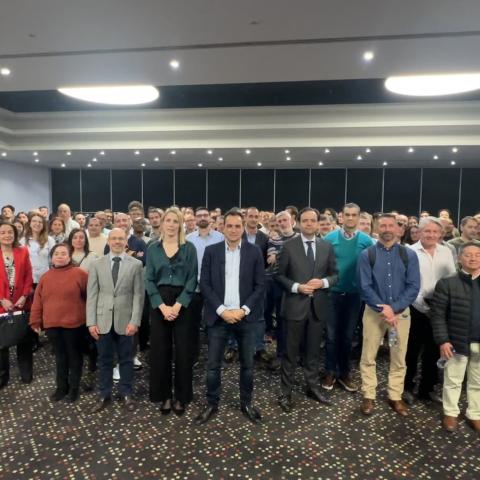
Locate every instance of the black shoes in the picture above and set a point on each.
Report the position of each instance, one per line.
(285, 402)
(166, 406)
(178, 408)
(58, 394)
(206, 415)
(101, 404)
(128, 403)
(72, 395)
(251, 413)
(316, 395)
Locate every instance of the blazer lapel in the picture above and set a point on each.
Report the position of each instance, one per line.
(107, 269)
(318, 249)
(221, 267)
(302, 255)
(124, 264)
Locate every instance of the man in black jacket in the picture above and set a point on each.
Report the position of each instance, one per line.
(456, 329)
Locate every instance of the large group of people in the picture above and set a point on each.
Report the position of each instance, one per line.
(266, 288)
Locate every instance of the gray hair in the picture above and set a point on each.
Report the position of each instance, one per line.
(424, 221)
(283, 213)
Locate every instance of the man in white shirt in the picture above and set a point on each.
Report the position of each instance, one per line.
(96, 239)
(64, 212)
(436, 262)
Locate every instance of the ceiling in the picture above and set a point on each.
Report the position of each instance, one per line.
(278, 69)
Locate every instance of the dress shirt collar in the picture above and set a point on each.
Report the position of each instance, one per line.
(473, 276)
(227, 248)
(348, 235)
(305, 239)
(121, 255)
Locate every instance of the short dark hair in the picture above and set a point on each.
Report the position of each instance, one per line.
(308, 209)
(467, 219)
(323, 218)
(199, 209)
(233, 212)
(55, 247)
(15, 232)
(294, 210)
(11, 207)
(42, 206)
(465, 245)
(135, 204)
(351, 205)
(386, 215)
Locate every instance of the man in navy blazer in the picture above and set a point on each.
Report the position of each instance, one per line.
(232, 285)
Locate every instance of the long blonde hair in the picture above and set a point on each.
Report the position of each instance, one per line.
(181, 232)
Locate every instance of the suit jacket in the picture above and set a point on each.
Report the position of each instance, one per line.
(293, 267)
(23, 278)
(261, 241)
(122, 303)
(252, 281)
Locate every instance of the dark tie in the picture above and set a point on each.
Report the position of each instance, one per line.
(115, 269)
(310, 255)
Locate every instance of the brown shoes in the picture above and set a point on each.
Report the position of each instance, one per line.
(347, 383)
(368, 406)
(449, 423)
(475, 424)
(328, 382)
(399, 406)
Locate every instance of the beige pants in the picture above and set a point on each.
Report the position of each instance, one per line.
(454, 374)
(374, 328)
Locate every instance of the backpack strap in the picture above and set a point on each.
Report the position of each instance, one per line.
(372, 255)
(402, 250)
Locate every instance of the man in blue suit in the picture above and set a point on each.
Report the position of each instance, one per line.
(232, 285)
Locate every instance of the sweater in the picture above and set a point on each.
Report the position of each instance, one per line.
(60, 299)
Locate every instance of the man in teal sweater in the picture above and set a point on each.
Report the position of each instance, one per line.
(348, 243)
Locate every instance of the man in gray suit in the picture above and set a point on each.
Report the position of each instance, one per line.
(306, 270)
(115, 298)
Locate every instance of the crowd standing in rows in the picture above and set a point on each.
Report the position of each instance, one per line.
(106, 286)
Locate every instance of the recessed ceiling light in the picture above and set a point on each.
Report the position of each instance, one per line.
(367, 150)
(259, 164)
(37, 160)
(368, 56)
(287, 151)
(102, 153)
(435, 157)
(63, 165)
(156, 159)
(454, 150)
(35, 154)
(137, 152)
(320, 164)
(433, 85)
(209, 152)
(385, 164)
(5, 71)
(89, 165)
(174, 64)
(200, 164)
(220, 159)
(144, 165)
(94, 159)
(68, 154)
(411, 150)
(248, 152)
(359, 157)
(288, 158)
(4, 154)
(452, 162)
(172, 152)
(327, 150)
(114, 95)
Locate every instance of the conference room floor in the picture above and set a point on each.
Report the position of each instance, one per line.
(44, 440)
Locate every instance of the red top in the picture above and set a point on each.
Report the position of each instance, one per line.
(23, 278)
(60, 299)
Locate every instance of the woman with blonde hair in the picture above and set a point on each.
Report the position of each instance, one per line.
(171, 279)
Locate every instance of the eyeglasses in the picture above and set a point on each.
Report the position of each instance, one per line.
(401, 224)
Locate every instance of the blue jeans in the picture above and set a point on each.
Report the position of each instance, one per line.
(107, 344)
(218, 335)
(340, 328)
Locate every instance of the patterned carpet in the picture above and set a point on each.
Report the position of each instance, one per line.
(43, 440)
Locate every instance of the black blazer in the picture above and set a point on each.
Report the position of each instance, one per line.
(261, 241)
(293, 267)
(252, 280)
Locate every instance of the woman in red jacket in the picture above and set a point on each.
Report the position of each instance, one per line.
(15, 289)
(59, 306)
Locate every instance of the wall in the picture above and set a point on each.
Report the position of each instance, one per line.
(24, 187)
(407, 189)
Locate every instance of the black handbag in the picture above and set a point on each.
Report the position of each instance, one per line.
(14, 328)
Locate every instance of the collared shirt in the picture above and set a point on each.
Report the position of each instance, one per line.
(388, 282)
(348, 235)
(112, 255)
(202, 242)
(231, 300)
(251, 237)
(432, 269)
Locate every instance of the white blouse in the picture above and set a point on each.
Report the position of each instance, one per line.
(39, 257)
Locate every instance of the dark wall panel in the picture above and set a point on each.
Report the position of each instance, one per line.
(328, 188)
(440, 190)
(364, 187)
(157, 188)
(223, 189)
(402, 190)
(126, 186)
(95, 190)
(190, 188)
(470, 192)
(66, 188)
(257, 189)
(291, 188)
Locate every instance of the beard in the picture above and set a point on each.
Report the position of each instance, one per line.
(203, 224)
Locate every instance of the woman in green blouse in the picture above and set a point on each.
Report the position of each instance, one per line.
(171, 279)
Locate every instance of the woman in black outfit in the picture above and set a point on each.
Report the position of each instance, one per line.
(171, 279)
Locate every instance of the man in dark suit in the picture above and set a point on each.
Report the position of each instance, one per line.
(306, 270)
(232, 285)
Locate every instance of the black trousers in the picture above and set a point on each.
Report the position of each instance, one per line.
(68, 344)
(171, 341)
(196, 309)
(144, 330)
(24, 359)
(420, 339)
(311, 331)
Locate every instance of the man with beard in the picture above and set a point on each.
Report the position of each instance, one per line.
(389, 281)
(201, 238)
(155, 219)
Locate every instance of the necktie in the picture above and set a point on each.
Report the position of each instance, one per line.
(310, 255)
(115, 269)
